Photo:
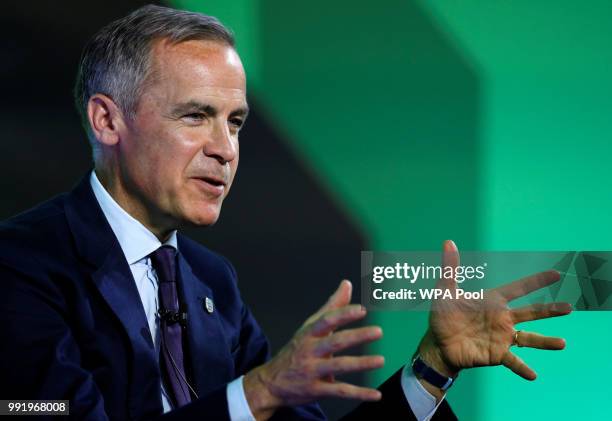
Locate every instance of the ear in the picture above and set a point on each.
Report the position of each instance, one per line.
(105, 119)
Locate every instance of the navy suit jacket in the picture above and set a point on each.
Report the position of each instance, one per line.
(72, 325)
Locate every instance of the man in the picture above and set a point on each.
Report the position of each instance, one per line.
(108, 306)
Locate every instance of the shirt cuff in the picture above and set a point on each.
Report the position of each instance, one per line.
(422, 403)
(237, 403)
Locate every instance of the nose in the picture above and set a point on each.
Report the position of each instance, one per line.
(222, 145)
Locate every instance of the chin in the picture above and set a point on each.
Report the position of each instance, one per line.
(203, 218)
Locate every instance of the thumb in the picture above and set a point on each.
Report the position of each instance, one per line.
(450, 261)
(340, 298)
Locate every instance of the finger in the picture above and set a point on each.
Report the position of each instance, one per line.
(333, 319)
(528, 284)
(540, 311)
(535, 340)
(450, 255)
(348, 364)
(450, 261)
(517, 365)
(348, 391)
(346, 339)
(340, 298)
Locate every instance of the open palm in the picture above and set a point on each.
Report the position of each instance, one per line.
(473, 333)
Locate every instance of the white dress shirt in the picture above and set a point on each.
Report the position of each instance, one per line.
(137, 243)
(422, 403)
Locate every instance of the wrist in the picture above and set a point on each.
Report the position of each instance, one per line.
(432, 355)
(262, 402)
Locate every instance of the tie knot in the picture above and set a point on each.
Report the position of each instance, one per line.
(163, 260)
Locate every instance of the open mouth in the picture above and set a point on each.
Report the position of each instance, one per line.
(210, 185)
(213, 181)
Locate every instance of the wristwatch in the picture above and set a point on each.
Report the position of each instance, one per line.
(425, 372)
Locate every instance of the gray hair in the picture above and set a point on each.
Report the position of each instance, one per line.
(116, 61)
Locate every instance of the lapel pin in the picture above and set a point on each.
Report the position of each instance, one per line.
(208, 303)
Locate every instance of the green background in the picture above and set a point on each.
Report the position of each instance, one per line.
(488, 122)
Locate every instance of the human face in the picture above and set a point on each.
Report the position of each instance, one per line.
(179, 154)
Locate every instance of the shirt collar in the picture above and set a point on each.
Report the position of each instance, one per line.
(136, 241)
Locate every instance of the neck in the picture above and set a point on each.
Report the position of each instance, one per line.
(162, 228)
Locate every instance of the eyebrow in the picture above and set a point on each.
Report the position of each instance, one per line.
(195, 106)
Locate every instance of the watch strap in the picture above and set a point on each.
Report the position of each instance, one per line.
(425, 372)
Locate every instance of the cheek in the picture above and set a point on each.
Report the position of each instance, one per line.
(233, 170)
(170, 156)
(155, 169)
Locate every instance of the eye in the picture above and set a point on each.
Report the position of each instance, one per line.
(236, 123)
(194, 117)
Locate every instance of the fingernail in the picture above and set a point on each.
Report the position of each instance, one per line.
(356, 311)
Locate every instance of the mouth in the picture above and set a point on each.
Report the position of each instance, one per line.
(211, 185)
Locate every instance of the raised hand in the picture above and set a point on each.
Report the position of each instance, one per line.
(304, 369)
(472, 333)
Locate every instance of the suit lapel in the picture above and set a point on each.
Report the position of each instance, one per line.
(211, 361)
(112, 277)
(115, 283)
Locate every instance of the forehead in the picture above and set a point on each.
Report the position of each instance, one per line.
(195, 67)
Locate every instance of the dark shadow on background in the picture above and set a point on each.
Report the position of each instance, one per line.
(43, 150)
(339, 66)
(290, 244)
